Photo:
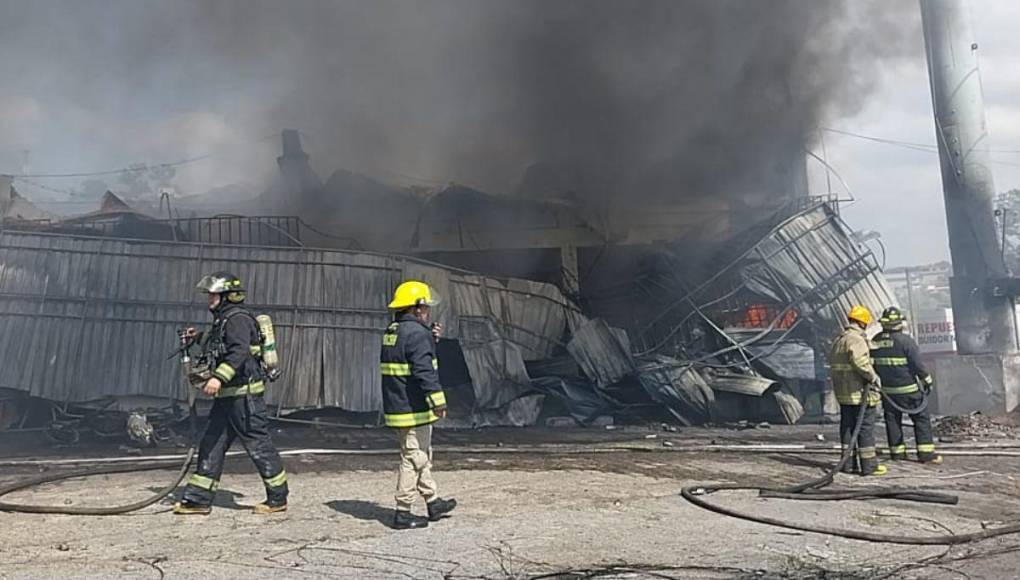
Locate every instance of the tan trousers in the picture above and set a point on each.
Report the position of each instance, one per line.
(415, 475)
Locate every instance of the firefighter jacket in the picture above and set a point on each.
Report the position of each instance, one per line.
(897, 360)
(850, 364)
(231, 347)
(410, 374)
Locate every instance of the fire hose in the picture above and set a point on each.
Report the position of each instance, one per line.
(141, 465)
(103, 510)
(814, 490)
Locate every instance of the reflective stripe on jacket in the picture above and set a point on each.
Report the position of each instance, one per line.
(410, 374)
(897, 361)
(851, 369)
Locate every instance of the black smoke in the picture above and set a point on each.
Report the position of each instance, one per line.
(655, 99)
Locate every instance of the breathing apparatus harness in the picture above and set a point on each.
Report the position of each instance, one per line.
(213, 347)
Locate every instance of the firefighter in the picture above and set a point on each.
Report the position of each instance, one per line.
(239, 409)
(413, 399)
(905, 383)
(852, 377)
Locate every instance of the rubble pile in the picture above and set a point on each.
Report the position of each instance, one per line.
(974, 425)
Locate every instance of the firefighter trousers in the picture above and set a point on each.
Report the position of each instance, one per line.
(923, 436)
(245, 418)
(865, 451)
(414, 477)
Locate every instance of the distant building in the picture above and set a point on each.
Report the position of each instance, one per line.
(14, 208)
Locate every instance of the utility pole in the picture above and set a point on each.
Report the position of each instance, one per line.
(912, 318)
(985, 376)
(984, 322)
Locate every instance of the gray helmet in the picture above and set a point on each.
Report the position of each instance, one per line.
(220, 283)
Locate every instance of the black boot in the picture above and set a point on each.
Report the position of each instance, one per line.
(403, 520)
(440, 507)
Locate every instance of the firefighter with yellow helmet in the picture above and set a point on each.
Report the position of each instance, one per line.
(853, 379)
(413, 400)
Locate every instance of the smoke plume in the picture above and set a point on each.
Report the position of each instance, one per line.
(652, 98)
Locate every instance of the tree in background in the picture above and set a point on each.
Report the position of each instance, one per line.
(1007, 216)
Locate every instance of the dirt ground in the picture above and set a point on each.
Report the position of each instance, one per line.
(535, 503)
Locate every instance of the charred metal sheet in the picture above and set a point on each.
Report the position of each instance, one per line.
(790, 360)
(789, 406)
(741, 384)
(581, 400)
(603, 353)
(678, 387)
(520, 412)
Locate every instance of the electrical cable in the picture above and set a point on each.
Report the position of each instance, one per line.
(927, 147)
(812, 490)
(135, 169)
(141, 167)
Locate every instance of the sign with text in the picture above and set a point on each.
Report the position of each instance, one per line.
(935, 332)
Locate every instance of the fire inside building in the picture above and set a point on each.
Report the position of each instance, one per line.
(702, 295)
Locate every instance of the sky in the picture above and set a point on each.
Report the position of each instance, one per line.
(101, 84)
(898, 190)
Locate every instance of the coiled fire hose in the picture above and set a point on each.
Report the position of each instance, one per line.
(813, 490)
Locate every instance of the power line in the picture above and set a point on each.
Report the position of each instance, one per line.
(908, 144)
(45, 187)
(131, 168)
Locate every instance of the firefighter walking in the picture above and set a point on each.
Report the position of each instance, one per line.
(239, 409)
(853, 379)
(413, 400)
(905, 382)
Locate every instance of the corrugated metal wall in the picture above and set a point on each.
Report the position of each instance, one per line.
(82, 318)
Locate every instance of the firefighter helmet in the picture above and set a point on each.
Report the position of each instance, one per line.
(860, 314)
(892, 318)
(413, 293)
(222, 283)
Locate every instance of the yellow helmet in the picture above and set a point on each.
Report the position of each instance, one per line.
(860, 314)
(413, 293)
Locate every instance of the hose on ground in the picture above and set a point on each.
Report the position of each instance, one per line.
(104, 510)
(811, 490)
(93, 511)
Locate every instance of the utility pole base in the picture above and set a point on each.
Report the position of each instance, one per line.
(988, 383)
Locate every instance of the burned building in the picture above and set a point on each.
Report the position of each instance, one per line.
(637, 312)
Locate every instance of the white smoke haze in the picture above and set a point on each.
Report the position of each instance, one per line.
(666, 98)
